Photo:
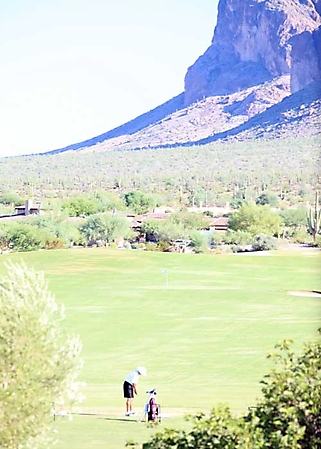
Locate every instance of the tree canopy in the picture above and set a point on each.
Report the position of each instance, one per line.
(255, 219)
(39, 362)
(105, 227)
(139, 202)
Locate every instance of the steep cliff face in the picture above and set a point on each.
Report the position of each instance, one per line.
(305, 59)
(260, 78)
(251, 45)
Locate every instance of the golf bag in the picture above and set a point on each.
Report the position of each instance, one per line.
(152, 409)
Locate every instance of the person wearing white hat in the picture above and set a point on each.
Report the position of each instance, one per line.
(130, 388)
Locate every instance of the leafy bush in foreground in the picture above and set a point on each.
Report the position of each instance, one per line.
(287, 417)
(38, 362)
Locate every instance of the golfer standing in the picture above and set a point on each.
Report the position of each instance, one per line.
(130, 388)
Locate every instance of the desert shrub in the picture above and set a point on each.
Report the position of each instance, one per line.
(269, 198)
(238, 238)
(198, 242)
(317, 242)
(106, 228)
(301, 236)
(264, 243)
(39, 362)
(25, 237)
(77, 207)
(255, 219)
(235, 202)
(216, 238)
(11, 198)
(150, 246)
(139, 202)
(163, 246)
(294, 218)
(55, 243)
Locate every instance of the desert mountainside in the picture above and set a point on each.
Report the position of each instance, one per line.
(259, 79)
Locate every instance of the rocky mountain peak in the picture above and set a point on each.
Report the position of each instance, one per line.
(259, 78)
(252, 43)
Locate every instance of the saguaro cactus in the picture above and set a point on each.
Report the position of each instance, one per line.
(314, 217)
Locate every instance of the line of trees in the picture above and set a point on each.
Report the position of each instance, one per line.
(250, 225)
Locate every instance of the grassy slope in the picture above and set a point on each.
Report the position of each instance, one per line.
(203, 335)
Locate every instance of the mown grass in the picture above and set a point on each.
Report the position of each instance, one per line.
(203, 330)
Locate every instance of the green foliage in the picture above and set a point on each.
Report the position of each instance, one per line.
(139, 202)
(199, 291)
(38, 232)
(108, 201)
(301, 236)
(294, 218)
(174, 174)
(269, 198)
(63, 229)
(151, 226)
(170, 231)
(76, 207)
(163, 246)
(238, 237)
(215, 238)
(24, 237)
(199, 242)
(314, 218)
(9, 198)
(208, 213)
(255, 220)
(178, 226)
(150, 246)
(264, 243)
(105, 227)
(163, 230)
(287, 417)
(189, 220)
(39, 363)
(235, 202)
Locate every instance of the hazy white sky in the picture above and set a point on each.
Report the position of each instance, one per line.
(73, 69)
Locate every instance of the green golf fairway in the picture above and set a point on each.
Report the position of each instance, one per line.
(201, 324)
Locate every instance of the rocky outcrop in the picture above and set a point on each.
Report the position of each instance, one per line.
(306, 59)
(251, 45)
(261, 52)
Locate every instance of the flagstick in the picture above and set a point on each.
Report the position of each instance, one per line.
(165, 271)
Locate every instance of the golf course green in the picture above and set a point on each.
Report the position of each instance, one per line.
(201, 324)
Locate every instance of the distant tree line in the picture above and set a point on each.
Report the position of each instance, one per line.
(210, 175)
(269, 187)
(95, 220)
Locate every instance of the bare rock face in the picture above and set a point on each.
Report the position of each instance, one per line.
(306, 59)
(252, 44)
(260, 78)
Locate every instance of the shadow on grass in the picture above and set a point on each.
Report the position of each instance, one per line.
(99, 416)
